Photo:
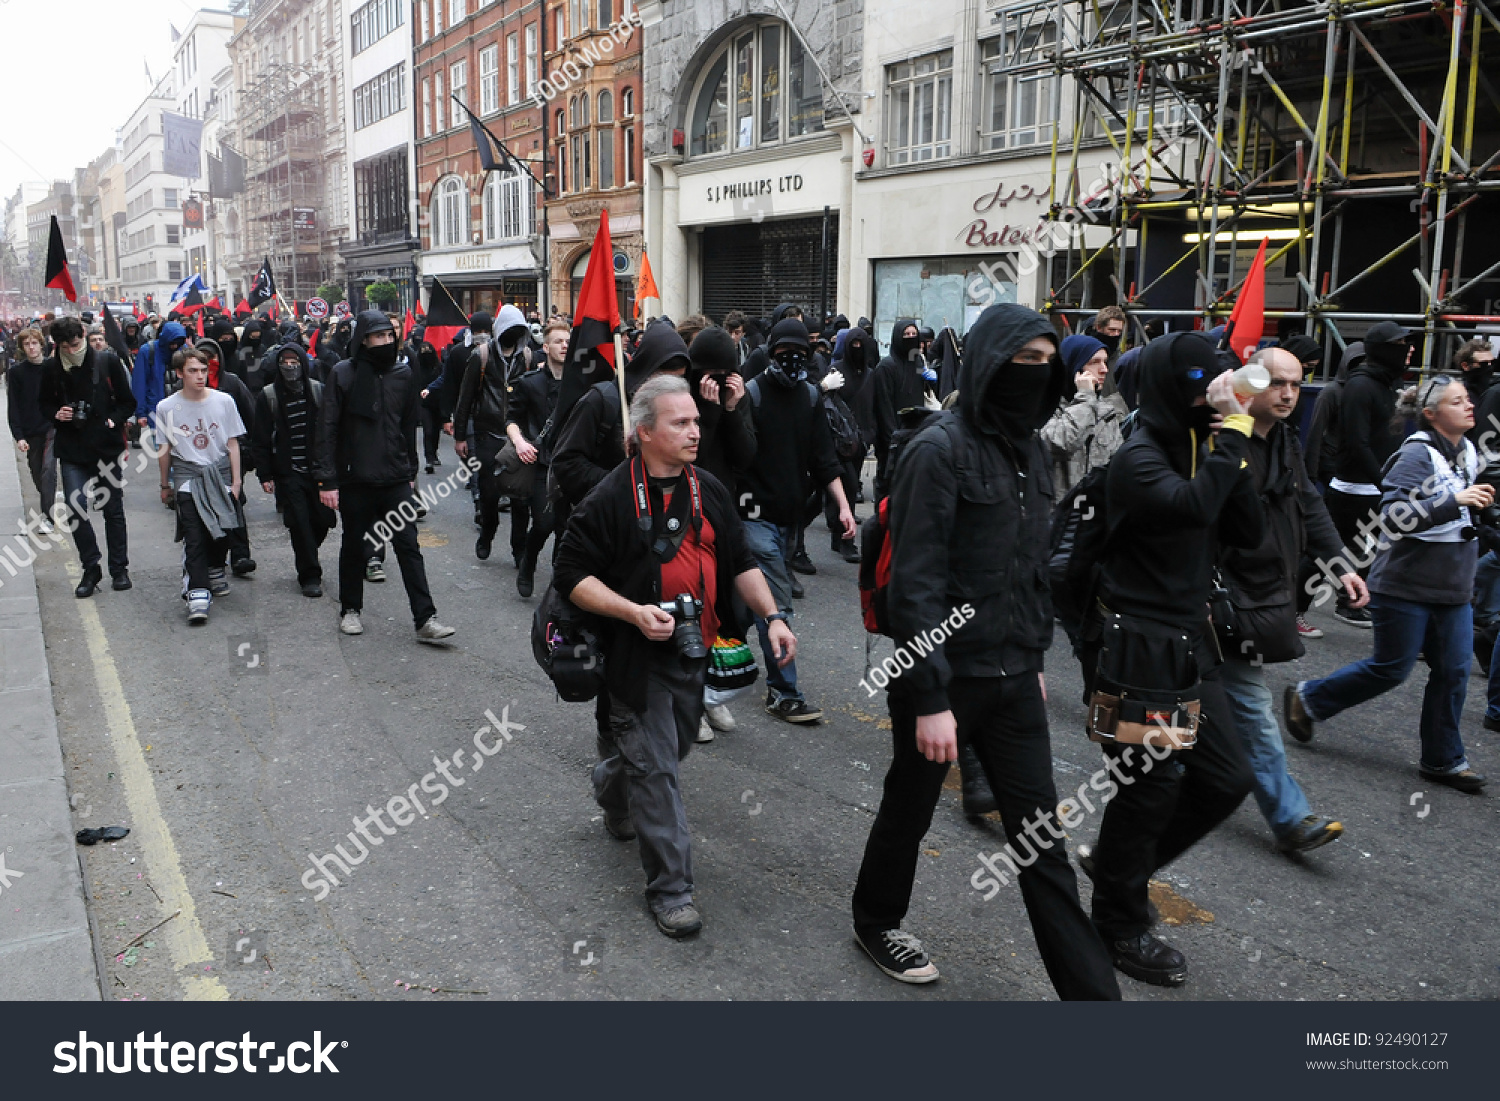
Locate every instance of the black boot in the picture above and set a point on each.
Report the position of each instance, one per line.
(526, 578)
(978, 799)
(90, 581)
(1149, 959)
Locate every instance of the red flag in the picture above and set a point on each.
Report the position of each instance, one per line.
(241, 307)
(445, 320)
(407, 325)
(136, 310)
(58, 277)
(645, 284)
(591, 347)
(200, 324)
(214, 302)
(274, 313)
(421, 313)
(312, 342)
(1248, 320)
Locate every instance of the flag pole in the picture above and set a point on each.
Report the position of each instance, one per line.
(620, 380)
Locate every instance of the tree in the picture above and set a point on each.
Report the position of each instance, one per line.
(383, 293)
(331, 293)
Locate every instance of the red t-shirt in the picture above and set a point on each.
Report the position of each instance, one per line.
(680, 575)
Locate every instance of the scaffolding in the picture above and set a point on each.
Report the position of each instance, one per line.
(282, 131)
(1355, 130)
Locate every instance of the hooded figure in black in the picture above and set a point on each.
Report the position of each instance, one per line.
(424, 360)
(131, 330)
(1176, 490)
(854, 357)
(902, 380)
(367, 466)
(1322, 449)
(726, 444)
(284, 442)
(970, 511)
(760, 353)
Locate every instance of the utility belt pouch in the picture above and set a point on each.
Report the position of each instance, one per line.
(1144, 717)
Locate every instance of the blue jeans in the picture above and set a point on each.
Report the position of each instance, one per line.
(75, 478)
(772, 546)
(1444, 633)
(1280, 797)
(1487, 589)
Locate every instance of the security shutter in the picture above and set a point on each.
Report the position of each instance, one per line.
(755, 267)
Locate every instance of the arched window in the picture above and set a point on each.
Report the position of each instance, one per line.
(627, 102)
(509, 206)
(606, 107)
(450, 213)
(562, 127)
(759, 88)
(583, 109)
(573, 111)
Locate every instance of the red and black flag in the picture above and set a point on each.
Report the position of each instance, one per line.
(445, 320)
(263, 286)
(242, 307)
(191, 304)
(58, 277)
(408, 323)
(114, 337)
(591, 347)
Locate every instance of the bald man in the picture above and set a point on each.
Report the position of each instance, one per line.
(1262, 586)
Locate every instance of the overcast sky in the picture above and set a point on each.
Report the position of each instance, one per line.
(72, 73)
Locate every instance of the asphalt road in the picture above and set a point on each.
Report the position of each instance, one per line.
(232, 776)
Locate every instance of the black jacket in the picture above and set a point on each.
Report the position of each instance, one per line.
(1323, 431)
(1367, 408)
(793, 452)
(726, 444)
(970, 513)
(1169, 502)
(532, 400)
(100, 380)
(759, 357)
(483, 394)
(23, 404)
(368, 431)
(268, 433)
(603, 540)
(896, 384)
(592, 441)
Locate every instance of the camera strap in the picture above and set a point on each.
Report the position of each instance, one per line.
(665, 546)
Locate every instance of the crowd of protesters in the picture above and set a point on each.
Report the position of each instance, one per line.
(1212, 524)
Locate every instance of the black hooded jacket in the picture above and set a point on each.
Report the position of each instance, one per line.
(760, 356)
(856, 362)
(1323, 431)
(368, 431)
(726, 445)
(1171, 498)
(1367, 409)
(273, 457)
(592, 442)
(897, 384)
(970, 514)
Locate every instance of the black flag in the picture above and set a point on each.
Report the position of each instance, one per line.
(114, 337)
(58, 276)
(263, 287)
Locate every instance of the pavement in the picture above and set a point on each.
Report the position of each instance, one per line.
(46, 948)
(242, 751)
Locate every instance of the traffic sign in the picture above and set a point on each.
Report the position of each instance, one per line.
(341, 310)
(316, 307)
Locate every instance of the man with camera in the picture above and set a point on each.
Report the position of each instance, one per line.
(655, 551)
(87, 393)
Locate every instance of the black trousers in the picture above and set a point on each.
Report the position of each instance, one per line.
(42, 464)
(486, 448)
(1164, 804)
(362, 506)
(1348, 511)
(432, 433)
(200, 551)
(239, 538)
(308, 520)
(76, 480)
(1005, 719)
(531, 519)
(850, 478)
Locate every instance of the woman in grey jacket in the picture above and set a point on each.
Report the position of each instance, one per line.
(1085, 432)
(1420, 584)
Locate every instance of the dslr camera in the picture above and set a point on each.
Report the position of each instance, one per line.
(82, 410)
(687, 636)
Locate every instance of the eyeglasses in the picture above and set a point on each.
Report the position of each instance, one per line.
(1424, 395)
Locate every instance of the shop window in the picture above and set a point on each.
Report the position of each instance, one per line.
(760, 88)
(450, 213)
(943, 292)
(918, 115)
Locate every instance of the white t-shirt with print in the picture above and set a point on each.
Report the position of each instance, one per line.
(199, 431)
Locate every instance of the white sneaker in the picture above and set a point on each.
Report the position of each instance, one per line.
(374, 570)
(705, 732)
(349, 623)
(719, 718)
(433, 631)
(199, 601)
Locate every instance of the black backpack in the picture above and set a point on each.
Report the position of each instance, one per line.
(848, 443)
(1080, 530)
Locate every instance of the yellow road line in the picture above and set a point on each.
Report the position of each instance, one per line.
(184, 937)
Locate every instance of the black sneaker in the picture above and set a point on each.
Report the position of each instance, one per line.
(798, 592)
(1492, 724)
(429, 468)
(1086, 862)
(1468, 781)
(1298, 721)
(243, 568)
(1149, 959)
(121, 581)
(312, 589)
(482, 548)
(849, 551)
(800, 563)
(899, 954)
(1355, 617)
(680, 921)
(89, 582)
(1308, 834)
(621, 828)
(792, 710)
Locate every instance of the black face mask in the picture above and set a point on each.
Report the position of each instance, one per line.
(382, 356)
(291, 374)
(1016, 395)
(788, 367)
(1478, 377)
